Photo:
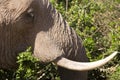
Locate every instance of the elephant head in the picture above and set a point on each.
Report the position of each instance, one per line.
(36, 23)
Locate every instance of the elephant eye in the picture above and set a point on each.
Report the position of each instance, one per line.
(29, 16)
(30, 13)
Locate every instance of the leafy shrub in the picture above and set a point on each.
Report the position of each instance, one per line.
(115, 75)
(30, 69)
(98, 24)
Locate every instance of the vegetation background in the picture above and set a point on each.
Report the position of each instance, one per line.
(97, 22)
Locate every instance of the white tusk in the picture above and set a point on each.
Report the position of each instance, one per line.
(83, 66)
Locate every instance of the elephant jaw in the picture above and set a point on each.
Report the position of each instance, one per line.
(83, 66)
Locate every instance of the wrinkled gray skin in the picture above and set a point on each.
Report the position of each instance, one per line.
(36, 23)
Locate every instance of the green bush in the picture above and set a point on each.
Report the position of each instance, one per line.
(98, 24)
(30, 69)
(115, 75)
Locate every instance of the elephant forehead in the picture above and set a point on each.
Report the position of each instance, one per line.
(19, 4)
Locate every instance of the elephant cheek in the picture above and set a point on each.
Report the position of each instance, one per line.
(45, 49)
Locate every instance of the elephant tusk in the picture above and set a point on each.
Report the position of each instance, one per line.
(83, 66)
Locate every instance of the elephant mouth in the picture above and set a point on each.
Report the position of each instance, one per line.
(83, 66)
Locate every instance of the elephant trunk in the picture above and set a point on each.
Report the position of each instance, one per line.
(73, 56)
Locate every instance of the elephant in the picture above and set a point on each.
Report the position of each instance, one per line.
(38, 24)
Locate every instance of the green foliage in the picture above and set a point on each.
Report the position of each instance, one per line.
(98, 24)
(30, 69)
(27, 66)
(115, 75)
